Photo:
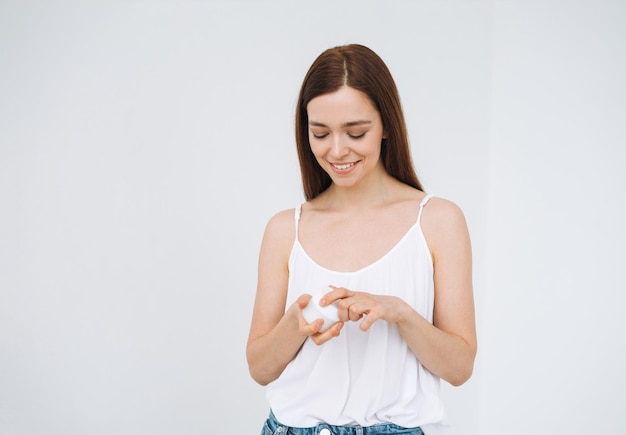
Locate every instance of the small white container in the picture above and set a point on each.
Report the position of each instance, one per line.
(313, 311)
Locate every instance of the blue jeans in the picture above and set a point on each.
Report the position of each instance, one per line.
(273, 427)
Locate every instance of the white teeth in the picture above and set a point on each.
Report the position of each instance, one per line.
(341, 167)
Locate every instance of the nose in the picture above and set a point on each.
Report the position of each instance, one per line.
(338, 149)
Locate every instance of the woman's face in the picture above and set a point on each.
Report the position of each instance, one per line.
(345, 133)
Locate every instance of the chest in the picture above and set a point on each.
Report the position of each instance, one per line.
(350, 243)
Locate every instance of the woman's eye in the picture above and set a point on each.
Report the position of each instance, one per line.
(320, 135)
(356, 136)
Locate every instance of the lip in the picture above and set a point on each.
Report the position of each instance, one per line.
(344, 168)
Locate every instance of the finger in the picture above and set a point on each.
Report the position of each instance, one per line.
(303, 300)
(305, 327)
(345, 293)
(327, 335)
(312, 328)
(337, 293)
(368, 321)
(354, 313)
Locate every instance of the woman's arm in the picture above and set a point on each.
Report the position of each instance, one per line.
(447, 347)
(276, 333)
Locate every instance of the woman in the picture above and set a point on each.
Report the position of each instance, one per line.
(396, 261)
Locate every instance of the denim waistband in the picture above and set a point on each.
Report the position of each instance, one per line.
(274, 427)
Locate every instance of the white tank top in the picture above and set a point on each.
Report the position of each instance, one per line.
(362, 378)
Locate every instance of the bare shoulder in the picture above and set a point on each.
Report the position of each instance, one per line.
(283, 220)
(280, 231)
(441, 211)
(444, 224)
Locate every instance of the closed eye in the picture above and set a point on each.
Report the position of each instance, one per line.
(356, 136)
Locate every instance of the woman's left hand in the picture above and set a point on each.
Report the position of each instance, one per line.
(354, 306)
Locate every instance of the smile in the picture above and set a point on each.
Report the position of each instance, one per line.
(343, 167)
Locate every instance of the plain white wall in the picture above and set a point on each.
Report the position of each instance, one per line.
(553, 345)
(143, 146)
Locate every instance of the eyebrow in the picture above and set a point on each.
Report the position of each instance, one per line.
(346, 124)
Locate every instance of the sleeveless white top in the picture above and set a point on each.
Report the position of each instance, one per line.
(362, 378)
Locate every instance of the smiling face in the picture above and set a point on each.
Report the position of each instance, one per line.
(345, 133)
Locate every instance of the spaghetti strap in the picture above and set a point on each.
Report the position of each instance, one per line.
(296, 215)
(422, 204)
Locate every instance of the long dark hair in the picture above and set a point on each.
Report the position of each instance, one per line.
(360, 68)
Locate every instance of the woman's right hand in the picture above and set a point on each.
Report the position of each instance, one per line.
(312, 329)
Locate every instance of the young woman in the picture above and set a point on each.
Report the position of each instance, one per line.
(396, 261)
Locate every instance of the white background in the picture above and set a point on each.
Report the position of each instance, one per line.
(145, 144)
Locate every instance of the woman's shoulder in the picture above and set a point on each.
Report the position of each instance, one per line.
(443, 221)
(442, 214)
(283, 216)
(442, 208)
(280, 229)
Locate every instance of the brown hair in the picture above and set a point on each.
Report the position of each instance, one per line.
(360, 68)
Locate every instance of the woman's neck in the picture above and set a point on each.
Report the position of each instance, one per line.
(374, 192)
